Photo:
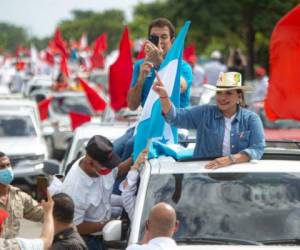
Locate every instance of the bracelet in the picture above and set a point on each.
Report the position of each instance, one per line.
(232, 159)
(163, 97)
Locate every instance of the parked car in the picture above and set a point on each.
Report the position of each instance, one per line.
(22, 140)
(57, 129)
(83, 133)
(255, 204)
(37, 82)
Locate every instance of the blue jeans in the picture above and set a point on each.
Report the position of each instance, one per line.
(123, 146)
(93, 242)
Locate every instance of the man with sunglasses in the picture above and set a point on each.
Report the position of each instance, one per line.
(89, 183)
(161, 34)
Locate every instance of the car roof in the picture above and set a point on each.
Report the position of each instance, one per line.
(167, 165)
(68, 94)
(111, 130)
(17, 102)
(16, 112)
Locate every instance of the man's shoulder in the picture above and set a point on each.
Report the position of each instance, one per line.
(15, 191)
(69, 239)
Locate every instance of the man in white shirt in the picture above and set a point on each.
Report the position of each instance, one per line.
(89, 183)
(160, 227)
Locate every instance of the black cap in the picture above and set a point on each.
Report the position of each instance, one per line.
(101, 150)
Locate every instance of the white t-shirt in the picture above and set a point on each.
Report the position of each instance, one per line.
(91, 195)
(226, 141)
(30, 244)
(159, 243)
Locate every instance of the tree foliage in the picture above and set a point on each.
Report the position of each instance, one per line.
(222, 24)
(11, 36)
(94, 24)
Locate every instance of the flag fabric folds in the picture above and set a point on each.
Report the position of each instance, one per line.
(120, 74)
(49, 58)
(97, 102)
(78, 119)
(64, 66)
(151, 126)
(100, 45)
(43, 107)
(59, 43)
(282, 101)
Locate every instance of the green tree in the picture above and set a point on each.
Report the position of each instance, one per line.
(94, 23)
(222, 24)
(11, 36)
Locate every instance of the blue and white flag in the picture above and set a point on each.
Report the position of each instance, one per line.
(152, 126)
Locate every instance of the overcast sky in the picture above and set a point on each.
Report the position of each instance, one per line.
(40, 17)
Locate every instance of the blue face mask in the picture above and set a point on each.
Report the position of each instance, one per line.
(6, 176)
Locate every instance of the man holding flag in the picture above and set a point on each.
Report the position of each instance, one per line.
(162, 31)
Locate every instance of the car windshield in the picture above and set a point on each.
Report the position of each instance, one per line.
(16, 126)
(252, 206)
(64, 105)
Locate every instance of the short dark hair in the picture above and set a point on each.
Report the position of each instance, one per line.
(2, 154)
(63, 210)
(162, 22)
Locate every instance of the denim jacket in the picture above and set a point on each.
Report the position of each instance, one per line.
(246, 135)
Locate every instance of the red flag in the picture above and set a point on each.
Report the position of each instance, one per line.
(283, 100)
(120, 74)
(96, 101)
(78, 119)
(59, 43)
(100, 45)
(189, 50)
(44, 107)
(64, 66)
(49, 58)
(141, 53)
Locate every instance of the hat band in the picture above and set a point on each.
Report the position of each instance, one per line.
(227, 87)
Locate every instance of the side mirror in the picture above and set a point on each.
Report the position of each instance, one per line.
(51, 167)
(112, 235)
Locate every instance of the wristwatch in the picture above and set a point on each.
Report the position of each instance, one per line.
(232, 159)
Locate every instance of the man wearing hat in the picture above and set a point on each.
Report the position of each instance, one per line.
(226, 131)
(89, 183)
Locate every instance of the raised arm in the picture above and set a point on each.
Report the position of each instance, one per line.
(135, 92)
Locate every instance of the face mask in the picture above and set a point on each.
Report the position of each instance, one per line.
(6, 176)
(104, 171)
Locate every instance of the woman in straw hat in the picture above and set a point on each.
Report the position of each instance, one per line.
(227, 131)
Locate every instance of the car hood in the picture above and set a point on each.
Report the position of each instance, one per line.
(23, 145)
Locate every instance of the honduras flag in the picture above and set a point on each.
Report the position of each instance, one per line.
(152, 126)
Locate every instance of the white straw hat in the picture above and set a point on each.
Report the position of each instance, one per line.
(228, 81)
